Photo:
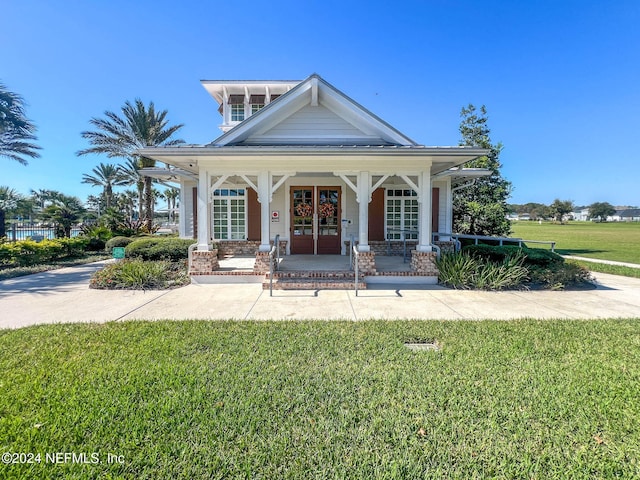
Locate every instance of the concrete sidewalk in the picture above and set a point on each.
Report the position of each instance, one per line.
(64, 296)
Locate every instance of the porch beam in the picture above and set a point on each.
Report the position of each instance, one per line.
(279, 183)
(346, 180)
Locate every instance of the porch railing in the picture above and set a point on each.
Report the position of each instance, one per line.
(275, 250)
(501, 240)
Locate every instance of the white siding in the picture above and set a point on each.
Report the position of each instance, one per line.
(314, 125)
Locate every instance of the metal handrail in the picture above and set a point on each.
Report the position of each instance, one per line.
(500, 240)
(274, 249)
(189, 252)
(356, 260)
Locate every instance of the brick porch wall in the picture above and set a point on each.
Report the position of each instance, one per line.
(204, 263)
(424, 263)
(379, 247)
(247, 248)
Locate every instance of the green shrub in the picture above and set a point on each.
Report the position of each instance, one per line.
(117, 242)
(560, 276)
(462, 270)
(534, 256)
(159, 248)
(141, 275)
(28, 252)
(95, 244)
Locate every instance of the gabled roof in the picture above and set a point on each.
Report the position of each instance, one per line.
(313, 113)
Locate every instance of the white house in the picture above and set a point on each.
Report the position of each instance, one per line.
(302, 160)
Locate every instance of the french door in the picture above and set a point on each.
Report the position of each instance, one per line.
(315, 220)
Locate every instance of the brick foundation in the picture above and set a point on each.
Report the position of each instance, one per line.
(424, 263)
(366, 263)
(244, 248)
(380, 247)
(262, 263)
(204, 263)
(446, 247)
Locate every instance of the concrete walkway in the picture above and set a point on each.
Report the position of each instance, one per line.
(598, 260)
(64, 296)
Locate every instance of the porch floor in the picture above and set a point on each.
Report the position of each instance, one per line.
(297, 263)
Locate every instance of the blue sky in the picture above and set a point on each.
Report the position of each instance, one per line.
(560, 79)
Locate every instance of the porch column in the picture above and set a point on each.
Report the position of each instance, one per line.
(264, 196)
(424, 207)
(364, 195)
(203, 210)
(182, 212)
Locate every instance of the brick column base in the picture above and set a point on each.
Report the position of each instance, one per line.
(446, 247)
(262, 263)
(366, 263)
(424, 263)
(204, 263)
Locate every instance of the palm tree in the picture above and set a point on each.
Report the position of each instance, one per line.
(15, 129)
(171, 195)
(107, 177)
(122, 136)
(64, 212)
(130, 171)
(41, 196)
(9, 199)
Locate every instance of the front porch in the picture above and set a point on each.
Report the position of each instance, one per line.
(319, 272)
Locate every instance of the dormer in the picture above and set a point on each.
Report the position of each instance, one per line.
(239, 99)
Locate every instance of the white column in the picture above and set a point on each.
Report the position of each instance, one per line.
(182, 211)
(364, 197)
(424, 207)
(448, 220)
(203, 210)
(264, 197)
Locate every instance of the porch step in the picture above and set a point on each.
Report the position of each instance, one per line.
(314, 280)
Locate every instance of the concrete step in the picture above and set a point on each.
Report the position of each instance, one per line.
(313, 280)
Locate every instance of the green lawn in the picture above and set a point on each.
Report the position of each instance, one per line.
(618, 241)
(520, 399)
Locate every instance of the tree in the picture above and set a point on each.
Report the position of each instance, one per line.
(16, 131)
(122, 136)
(560, 208)
(171, 196)
(107, 177)
(131, 173)
(601, 210)
(481, 209)
(65, 211)
(9, 199)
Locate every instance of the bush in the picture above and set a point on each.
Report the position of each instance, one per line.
(141, 275)
(546, 269)
(534, 256)
(29, 252)
(159, 248)
(117, 242)
(560, 276)
(95, 244)
(462, 270)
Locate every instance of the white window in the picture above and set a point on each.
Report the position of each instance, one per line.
(402, 214)
(255, 107)
(230, 214)
(237, 112)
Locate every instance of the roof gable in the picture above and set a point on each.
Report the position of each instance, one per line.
(313, 113)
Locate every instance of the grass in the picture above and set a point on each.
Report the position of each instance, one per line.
(612, 269)
(520, 399)
(608, 241)
(12, 272)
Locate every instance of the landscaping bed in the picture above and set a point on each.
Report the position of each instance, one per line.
(491, 267)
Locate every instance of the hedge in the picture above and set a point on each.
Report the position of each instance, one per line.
(29, 252)
(159, 248)
(117, 242)
(534, 256)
